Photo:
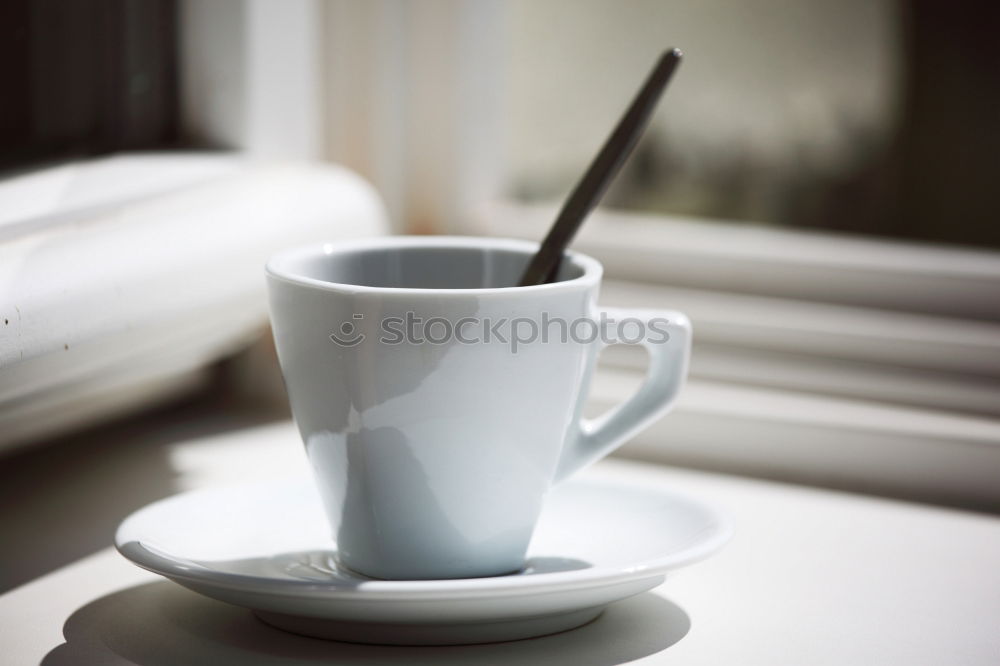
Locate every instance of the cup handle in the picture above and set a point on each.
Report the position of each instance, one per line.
(668, 367)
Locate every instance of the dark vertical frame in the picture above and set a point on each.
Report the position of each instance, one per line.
(86, 77)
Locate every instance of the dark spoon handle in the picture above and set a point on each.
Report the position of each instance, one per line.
(588, 192)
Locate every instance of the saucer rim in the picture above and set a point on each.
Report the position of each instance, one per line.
(718, 531)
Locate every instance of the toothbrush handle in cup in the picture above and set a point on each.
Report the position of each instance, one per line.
(667, 338)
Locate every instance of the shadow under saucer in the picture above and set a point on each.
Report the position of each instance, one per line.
(161, 623)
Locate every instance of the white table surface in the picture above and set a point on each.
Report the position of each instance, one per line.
(812, 577)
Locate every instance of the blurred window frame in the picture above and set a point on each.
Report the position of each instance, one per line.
(830, 359)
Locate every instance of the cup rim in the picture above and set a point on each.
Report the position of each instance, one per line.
(278, 265)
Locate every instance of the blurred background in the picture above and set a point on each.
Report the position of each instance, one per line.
(816, 190)
(871, 117)
(868, 117)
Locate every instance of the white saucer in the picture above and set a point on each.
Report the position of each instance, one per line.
(267, 547)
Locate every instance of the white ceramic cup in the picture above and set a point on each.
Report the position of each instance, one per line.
(433, 452)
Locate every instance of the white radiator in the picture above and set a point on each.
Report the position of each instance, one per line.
(119, 278)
